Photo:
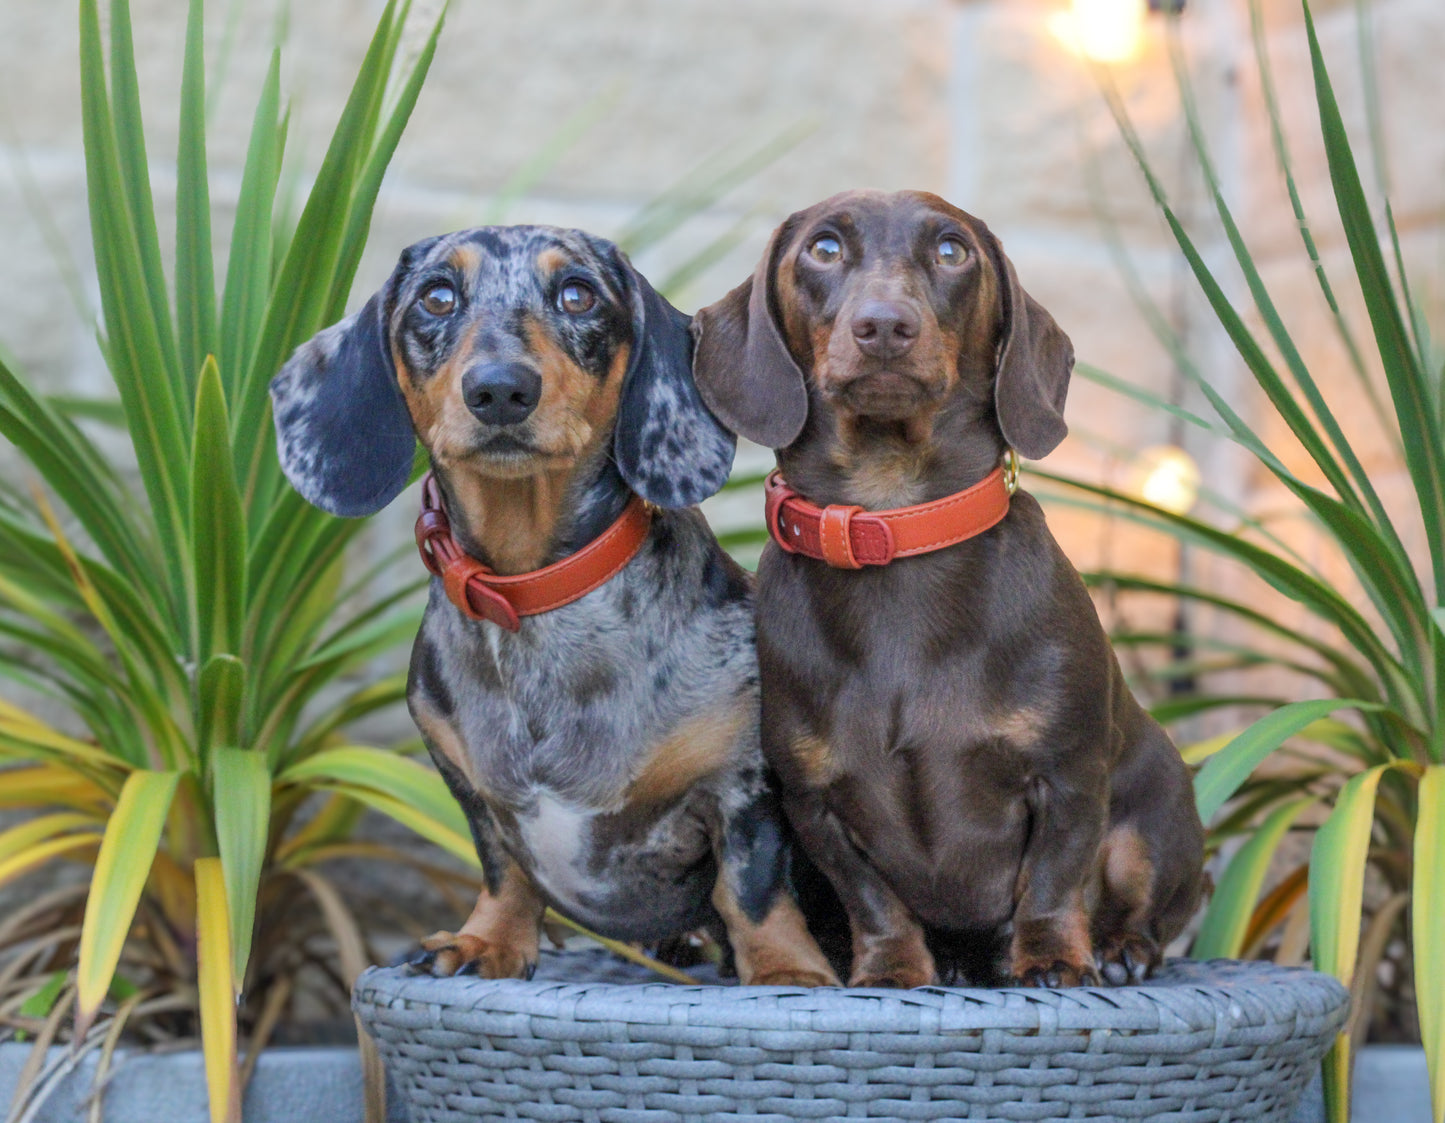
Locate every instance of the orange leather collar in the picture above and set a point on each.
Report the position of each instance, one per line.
(484, 595)
(851, 537)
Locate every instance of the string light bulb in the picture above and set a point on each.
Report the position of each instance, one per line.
(1167, 477)
(1104, 30)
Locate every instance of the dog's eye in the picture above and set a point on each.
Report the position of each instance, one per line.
(576, 298)
(951, 251)
(825, 249)
(440, 300)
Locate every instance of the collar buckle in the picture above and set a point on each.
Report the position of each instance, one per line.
(1011, 470)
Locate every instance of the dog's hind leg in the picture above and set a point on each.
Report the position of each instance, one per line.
(769, 937)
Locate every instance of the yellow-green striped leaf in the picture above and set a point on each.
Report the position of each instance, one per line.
(385, 772)
(1200, 751)
(22, 730)
(45, 785)
(241, 796)
(35, 856)
(20, 838)
(1222, 933)
(425, 825)
(195, 271)
(248, 271)
(1230, 766)
(1337, 883)
(126, 853)
(221, 693)
(217, 992)
(1429, 930)
(218, 522)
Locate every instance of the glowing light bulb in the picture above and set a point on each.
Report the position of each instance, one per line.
(1167, 477)
(1103, 30)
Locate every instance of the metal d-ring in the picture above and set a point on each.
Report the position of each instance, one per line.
(1011, 471)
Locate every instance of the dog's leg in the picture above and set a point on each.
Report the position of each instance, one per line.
(765, 927)
(889, 949)
(1124, 948)
(500, 939)
(1151, 859)
(1051, 944)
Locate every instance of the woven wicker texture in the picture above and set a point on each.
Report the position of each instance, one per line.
(1200, 1042)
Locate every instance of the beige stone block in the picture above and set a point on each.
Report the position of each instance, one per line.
(680, 81)
(42, 331)
(1295, 290)
(1409, 36)
(1034, 139)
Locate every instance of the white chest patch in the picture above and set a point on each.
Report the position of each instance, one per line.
(554, 836)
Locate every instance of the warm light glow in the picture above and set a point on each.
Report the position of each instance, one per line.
(1167, 477)
(1104, 30)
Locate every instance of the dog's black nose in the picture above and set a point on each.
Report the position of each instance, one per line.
(885, 328)
(502, 393)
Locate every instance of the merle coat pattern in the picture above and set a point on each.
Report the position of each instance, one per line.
(606, 754)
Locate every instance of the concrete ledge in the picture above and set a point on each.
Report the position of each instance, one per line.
(291, 1085)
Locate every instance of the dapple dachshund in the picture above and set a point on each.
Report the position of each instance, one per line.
(958, 750)
(604, 744)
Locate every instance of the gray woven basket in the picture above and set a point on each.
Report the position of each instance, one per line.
(1200, 1042)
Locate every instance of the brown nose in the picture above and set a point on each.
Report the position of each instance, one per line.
(885, 328)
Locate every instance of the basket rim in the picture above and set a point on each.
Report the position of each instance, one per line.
(1186, 997)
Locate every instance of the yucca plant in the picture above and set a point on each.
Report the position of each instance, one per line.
(196, 627)
(1359, 768)
(198, 634)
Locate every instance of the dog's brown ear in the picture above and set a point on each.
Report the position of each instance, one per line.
(1035, 360)
(741, 364)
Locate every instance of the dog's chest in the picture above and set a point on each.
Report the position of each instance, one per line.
(557, 835)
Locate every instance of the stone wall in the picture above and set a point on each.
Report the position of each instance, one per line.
(977, 100)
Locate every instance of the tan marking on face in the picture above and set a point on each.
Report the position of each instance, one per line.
(797, 327)
(466, 259)
(439, 414)
(512, 511)
(575, 407)
(697, 749)
(551, 259)
(815, 757)
(778, 950)
(440, 735)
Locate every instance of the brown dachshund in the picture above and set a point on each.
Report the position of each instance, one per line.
(958, 750)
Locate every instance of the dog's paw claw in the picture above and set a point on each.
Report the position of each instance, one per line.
(1129, 960)
(1056, 975)
(446, 954)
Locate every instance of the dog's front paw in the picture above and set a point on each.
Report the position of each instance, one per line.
(795, 977)
(446, 953)
(1128, 959)
(1054, 974)
(895, 965)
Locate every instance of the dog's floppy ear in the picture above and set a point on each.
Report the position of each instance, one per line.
(741, 363)
(669, 448)
(342, 429)
(1035, 360)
